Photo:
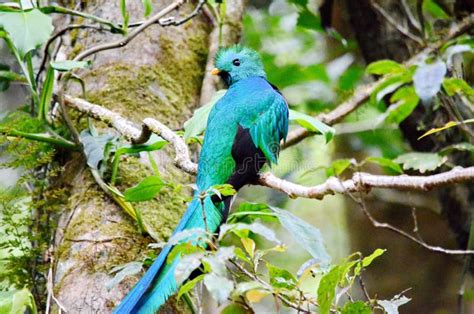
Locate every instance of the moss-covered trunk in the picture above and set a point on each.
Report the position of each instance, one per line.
(159, 74)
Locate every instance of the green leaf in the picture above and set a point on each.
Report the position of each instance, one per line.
(454, 85)
(145, 190)
(125, 15)
(384, 162)
(235, 308)
(428, 79)
(197, 123)
(148, 7)
(95, 146)
(281, 278)
(421, 161)
(222, 190)
(27, 29)
(190, 285)
(327, 289)
(460, 147)
(391, 306)
(17, 302)
(405, 101)
(389, 85)
(312, 125)
(383, 67)
(309, 20)
(122, 272)
(433, 9)
(46, 94)
(448, 125)
(217, 261)
(357, 307)
(366, 261)
(68, 65)
(305, 234)
(181, 249)
(338, 167)
(254, 227)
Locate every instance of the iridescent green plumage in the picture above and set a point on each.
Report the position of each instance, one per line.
(246, 124)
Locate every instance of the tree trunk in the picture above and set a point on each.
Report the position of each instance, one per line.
(158, 74)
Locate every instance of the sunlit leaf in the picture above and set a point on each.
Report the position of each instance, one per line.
(190, 285)
(217, 260)
(357, 307)
(312, 124)
(384, 162)
(391, 306)
(366, 261)
(17, 302)
(420, 161)
(147, 5)
(448, 125)
(404, 102)
(27, 29)
(281, 278)
(145, 190)
(383, 67)
(338, 167)
(254, 227)
(454, 85)
(186, 265)
(327, 289)
(428, 79)
(235, 308)
(433, 9)
(46, 94)
(308, 19)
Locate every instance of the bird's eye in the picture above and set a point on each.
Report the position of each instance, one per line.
(236, 62)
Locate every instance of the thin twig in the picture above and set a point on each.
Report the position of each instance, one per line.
(124, 41)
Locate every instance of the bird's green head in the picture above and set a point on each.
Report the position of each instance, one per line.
(236, 63)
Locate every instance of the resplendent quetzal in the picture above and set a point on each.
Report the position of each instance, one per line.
(243, 132)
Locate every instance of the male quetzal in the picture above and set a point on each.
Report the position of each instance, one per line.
(243, 132)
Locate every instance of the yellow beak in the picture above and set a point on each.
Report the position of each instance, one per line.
(215, 71)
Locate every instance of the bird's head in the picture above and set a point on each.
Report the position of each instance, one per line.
(236, 63)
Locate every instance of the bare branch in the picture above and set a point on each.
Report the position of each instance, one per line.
(362, 93)
(124, 41)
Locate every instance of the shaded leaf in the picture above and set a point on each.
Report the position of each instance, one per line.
(420, 161)
(433, 9)
(95, 146)
(122, 272)
(145, 190)
(27, 29)
(428, 78)
(46, 94)
(189, 285)
(357, 307)
(383, 67)
(312, 124)
(460, 146)
(405, 100)
(305, 234)
(384, 162)
(235, 308)
(309, 20)
(454, 85)
(218, 259)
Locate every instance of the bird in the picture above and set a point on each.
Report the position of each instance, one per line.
(244, 131)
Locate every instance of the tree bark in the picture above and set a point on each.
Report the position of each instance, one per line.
(159, 74)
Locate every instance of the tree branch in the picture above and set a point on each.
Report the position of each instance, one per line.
(360, 181)
(362, 93)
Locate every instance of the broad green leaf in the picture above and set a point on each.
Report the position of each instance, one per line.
(405, 101)
(357, 307)
(27, 29)
(46, 94)
(433, 9)
(63, 66)
(338, 167)
(281, 278)
(391, 306)
(448, 125)
(305, 234)
(454, 85)
(190, 285)
(122, 272)
(428, 79)
(309, 20)
(145, 190)
(327, 289)
(197, 123)
(17, 302)
(312, 124)
(218, 286)
(366, 261)
(383, 67)
(222, 190)
(389, 85)
(148, 7)
(181, 249)
(460, 147)
(384, 162)
(94, 146)
(420, 161)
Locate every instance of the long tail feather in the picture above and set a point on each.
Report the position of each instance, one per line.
(159, 283)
